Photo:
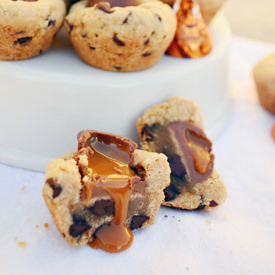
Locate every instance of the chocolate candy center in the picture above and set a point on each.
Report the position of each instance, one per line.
(195, 150)
(187, 147)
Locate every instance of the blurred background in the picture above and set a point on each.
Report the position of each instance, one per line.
(253, 19)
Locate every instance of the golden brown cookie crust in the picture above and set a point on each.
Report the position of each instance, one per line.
(27, 28)
(121, 38)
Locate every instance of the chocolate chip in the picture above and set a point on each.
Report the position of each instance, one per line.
(55, 187)
(69, 26)
(213, 204)
(23, 41)
(137, 221)
(200, 207)
(146, 42)
(126, 19)
(19, 32)
(78, 230)
(170, 193)
(146, 54)
(147, 131)
(103, 207)
(158, 17)
(176, 166)
(51, 23)
(117, 68)
(140, 171)
(118, 41)
(92, 48)
(202, 204)
(105, 7)
(79, 226)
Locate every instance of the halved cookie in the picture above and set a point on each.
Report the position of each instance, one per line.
(175, 128)
(107, 188)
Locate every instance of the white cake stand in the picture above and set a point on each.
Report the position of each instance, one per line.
(47, 100)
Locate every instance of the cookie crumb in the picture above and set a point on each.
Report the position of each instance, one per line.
(207, 221)
(22, 244)
(46, 225)
(23, 188)
(15, 238)
(273, 132)
(165, 216)
(37, 226)
(187, 268)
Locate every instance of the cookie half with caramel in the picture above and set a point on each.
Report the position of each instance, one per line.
(175, 128)
(100, 193)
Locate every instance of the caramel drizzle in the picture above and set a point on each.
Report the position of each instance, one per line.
(119, 181)
(192, 38)
(116, 236)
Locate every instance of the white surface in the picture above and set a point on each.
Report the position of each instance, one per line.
(237, 238)
(46, 101)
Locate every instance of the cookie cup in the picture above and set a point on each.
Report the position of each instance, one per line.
(124, 39)
(27, 28)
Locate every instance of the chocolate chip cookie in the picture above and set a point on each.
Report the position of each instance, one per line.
(27, 27)
(118, 35)
(264, 76)
(175, 128)
(100, 193)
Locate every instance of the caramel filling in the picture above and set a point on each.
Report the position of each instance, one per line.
(101, 165)
(109, 171)
(199, 151)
